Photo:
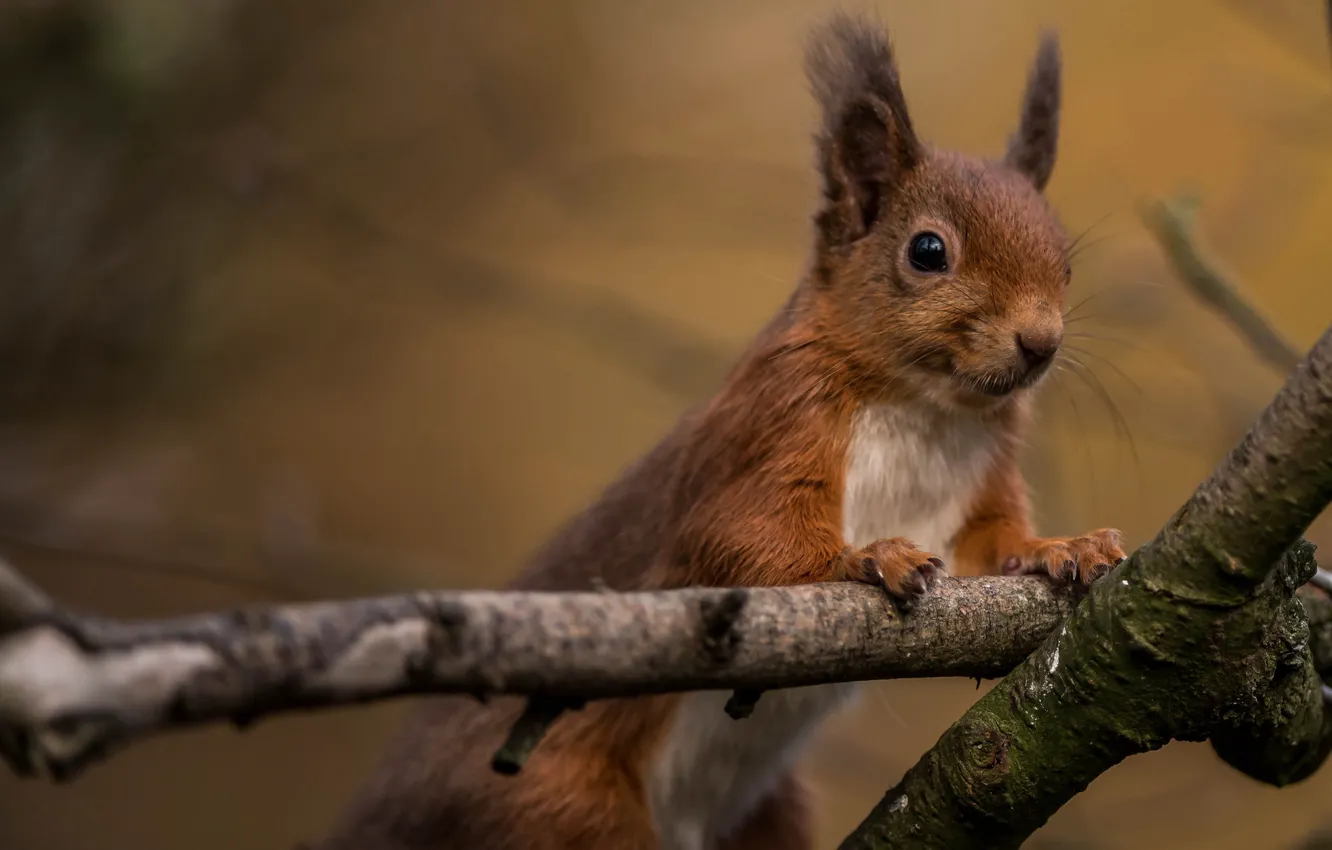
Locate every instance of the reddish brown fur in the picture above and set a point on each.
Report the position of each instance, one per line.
(747, 489)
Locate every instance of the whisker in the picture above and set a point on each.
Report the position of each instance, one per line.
(1077, 419)
(1073, 244)
(895, 378)
(1070, 320)
(1093, 382)
(1110, 287)
(1084, 302)
(1123, 423)
(1108, 362)
(837, 367)
(956, 285)
(1116, 340)
(1076, 251)
(789, 349)
(940, 298)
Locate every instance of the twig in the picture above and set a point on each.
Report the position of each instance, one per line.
(528, 730)
(1171, 221)
(1322, 580)
(75, 688)
(742, 703)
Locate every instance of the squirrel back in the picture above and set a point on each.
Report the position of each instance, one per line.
(869, 433)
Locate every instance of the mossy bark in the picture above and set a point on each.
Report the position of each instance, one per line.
(1197, 636)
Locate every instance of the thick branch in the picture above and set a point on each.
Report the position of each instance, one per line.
(72, 689)
(1195, 636)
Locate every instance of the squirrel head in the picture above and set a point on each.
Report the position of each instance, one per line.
(941, 275)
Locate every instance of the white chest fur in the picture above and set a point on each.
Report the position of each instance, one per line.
(913, 473)
(909, 474)
(713, 770)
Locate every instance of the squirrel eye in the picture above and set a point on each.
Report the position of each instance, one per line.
(927, 253)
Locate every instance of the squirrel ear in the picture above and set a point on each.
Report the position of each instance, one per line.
(866, 141)
(1032, 149)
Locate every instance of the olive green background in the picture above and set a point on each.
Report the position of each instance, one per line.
(451, 265)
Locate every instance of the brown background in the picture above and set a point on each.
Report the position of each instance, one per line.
(448, 266)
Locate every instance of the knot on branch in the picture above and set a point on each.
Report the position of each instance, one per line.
(444, 639)
(981, 764)
(720, 637)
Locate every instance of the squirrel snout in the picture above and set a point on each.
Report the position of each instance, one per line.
(1038, 347)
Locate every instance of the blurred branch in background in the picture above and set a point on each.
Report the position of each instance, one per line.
(104, 136)
(1288, 23)
(1172, 222)
(676, 359)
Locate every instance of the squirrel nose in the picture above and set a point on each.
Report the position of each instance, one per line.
(1038, 347)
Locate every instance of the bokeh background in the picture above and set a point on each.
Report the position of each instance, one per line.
(319, 298)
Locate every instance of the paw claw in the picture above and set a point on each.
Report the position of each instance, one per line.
(1068, 559)
(896, 565)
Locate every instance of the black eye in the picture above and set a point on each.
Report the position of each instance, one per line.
(927, 253)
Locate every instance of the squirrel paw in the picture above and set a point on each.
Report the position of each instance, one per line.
(1068, 559)
(895, 565)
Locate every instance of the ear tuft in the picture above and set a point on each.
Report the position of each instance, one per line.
(1032, 148)
(866, 141)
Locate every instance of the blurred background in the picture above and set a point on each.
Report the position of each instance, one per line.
(320, 298)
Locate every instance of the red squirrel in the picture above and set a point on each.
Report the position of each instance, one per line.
(870, 433)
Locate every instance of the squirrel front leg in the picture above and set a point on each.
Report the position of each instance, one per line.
(997, 536)
(788, 536)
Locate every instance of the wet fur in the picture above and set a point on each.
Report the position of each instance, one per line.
(856, 430)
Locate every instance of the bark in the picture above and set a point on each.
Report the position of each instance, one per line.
(73, 689)
(1196, 636)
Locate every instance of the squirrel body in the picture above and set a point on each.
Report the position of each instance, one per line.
(869, 433)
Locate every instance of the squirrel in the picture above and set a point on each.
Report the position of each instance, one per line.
(870, 433)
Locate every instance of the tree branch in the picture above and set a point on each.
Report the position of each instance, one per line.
(73, 689)
(1195, 636)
